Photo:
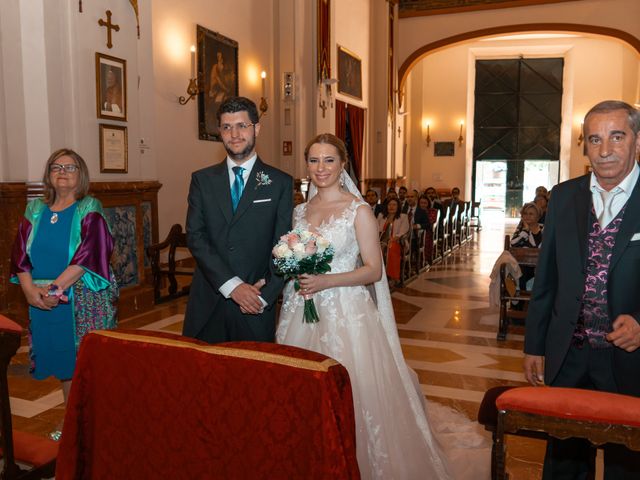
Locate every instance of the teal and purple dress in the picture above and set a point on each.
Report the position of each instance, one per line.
(46, 244)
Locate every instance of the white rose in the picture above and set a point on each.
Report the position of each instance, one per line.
(322, 244)
(282, 251)
(298, 251)
(305, 235)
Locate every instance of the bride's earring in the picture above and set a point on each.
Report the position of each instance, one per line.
(341, 180)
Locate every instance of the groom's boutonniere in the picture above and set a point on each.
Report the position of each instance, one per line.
(262, 179)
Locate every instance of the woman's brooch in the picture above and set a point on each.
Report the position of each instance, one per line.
(262, 179)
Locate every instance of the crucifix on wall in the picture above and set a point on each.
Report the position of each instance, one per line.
(110, 26)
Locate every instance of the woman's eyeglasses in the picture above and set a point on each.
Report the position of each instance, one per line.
(58, 168)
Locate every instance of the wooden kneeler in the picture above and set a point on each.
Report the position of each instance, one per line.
(598, 417)
(37, 452)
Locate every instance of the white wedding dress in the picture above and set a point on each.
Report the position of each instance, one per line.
(393, 437)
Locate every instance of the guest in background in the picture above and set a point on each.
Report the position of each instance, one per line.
(541, 201)
(393, 225)
(402, 196)
(528, 234)
(391, 193)
(60, 258)
(298, 198)
(542, 190)
(434, 199)
(372, 199)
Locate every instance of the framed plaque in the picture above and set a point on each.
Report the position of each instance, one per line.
(113, 149)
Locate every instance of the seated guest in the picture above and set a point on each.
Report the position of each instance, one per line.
(541, 201)
(434, 200)
(393, 225)
(421, 217)
(391, 193)
(402, 196)
(298, 198)
(454, 200)
(372, 199)
(528, 234)
(542, 190)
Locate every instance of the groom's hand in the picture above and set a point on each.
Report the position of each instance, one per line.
(246, 296)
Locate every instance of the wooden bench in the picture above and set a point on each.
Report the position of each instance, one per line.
(38, 453)
(169, 270)
(509, 291)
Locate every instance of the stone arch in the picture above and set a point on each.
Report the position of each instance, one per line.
(421, 52)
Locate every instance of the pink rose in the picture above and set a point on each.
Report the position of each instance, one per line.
(311, 247)
(292, 240)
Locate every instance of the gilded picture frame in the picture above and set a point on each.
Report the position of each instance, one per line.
(218, 76)
(111, 87)
(349, 73)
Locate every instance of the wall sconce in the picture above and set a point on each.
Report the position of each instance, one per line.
(327, 82)
(428, 139)
(581, 136)
(193, 88)
(461, 138)
(264, 106)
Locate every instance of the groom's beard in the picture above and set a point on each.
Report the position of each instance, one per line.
(245, 152)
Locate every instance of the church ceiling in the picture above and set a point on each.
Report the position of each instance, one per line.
(416, 8)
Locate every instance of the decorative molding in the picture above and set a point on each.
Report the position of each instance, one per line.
(423, 8)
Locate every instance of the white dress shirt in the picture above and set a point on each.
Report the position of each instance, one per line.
(620, 192)
(229, 286)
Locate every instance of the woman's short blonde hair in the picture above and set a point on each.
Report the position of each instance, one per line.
(83, 175)
(532, 205)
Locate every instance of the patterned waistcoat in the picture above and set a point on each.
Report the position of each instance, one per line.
(594, 322)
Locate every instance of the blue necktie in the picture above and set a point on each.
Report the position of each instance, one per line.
(236, 188)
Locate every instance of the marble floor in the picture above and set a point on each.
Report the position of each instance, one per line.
(447, 330)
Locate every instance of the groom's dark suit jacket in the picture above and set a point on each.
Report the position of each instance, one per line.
(560, 278)
(226, 245)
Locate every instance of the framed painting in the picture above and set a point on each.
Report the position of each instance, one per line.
(218, 77)
(349, 73)
(443, 149)
(111, 87)
(113, 149)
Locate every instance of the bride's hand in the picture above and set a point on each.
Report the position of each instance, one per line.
(310, 284)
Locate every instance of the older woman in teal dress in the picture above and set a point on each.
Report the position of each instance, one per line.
(61, 260)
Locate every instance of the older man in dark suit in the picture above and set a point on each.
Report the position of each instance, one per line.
(238, 209)
(582, 329)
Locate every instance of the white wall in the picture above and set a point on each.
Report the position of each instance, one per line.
(178, 149)
(441, 91)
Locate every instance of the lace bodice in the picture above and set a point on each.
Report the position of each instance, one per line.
(339, 231)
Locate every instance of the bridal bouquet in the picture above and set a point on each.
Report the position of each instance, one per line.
(299, 252)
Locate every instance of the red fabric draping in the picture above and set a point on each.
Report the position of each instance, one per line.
(356, 130)
(341, 120)
(149, 405)
(356, 125)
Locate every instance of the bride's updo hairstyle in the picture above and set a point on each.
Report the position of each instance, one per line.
(331, 140)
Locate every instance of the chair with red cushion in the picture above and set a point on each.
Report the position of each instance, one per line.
(37, 452)
(598, 417)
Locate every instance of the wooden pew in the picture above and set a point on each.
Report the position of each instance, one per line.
(168, 271)
(36, 453)
(509, 291)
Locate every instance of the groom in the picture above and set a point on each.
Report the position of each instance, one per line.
(238, 209)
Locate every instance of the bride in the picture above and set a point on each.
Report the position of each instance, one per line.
(393, 437)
